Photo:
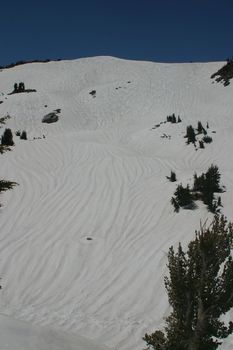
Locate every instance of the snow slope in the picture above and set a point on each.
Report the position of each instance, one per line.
(22, 336)
(84, 236)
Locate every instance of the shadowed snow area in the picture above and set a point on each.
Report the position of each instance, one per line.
(85, 235)
(22, 336)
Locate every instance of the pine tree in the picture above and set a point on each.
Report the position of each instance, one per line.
(173, 118)
(199, 290)
(175, 204)
(207, 184)
(7, 138)
(212, 179)
(15, 87)
(190, 134)
(183, 196)
(23, 135)
(199, 127)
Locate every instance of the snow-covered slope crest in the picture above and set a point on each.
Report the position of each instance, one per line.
(23, 336)
(85, 235)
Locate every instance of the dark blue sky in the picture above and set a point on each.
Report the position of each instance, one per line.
(163, 30)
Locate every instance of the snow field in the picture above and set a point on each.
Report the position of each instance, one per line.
(85, 235)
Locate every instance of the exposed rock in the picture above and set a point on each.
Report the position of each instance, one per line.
(50, 118)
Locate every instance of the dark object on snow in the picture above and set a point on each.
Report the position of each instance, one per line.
(50, 118)
(23, 135)
(93, 93)
(224, 74)
(7, 138)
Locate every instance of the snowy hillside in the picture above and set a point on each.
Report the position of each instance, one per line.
(23, 336)
(84, 236)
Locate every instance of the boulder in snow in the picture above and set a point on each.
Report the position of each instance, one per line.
(50, 118)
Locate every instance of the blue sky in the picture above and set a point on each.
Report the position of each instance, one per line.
(163, 30)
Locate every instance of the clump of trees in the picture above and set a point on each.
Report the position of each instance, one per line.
(6, 185)
(204, 187)
(173, 119)
(7, 138)
(19, 88)
(191, 135)
(224, 74)
(199, 288)
(183, 197)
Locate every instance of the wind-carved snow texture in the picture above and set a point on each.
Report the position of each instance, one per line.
(85, 235)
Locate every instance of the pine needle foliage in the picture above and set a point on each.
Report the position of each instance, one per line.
(200, 291)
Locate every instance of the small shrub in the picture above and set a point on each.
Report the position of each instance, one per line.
(207, 139)
(4, 149)
(6, 185)
(3, 119)
(17, 133)
(201, 144)
(93, 93)
(23, 135)
(172, 177)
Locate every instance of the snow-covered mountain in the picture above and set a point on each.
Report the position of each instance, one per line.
(84, 236)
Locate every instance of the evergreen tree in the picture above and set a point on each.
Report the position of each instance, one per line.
(199, 290)
(204, 131)
(15, 87)
(173, 118)
(190, 134)
(207, 184)
(212, 179)
(175, 204)
(21, 87)
(183, 195)
(199, 127)
(7, 138)
(178, 120)
(23, 135)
